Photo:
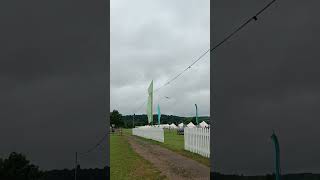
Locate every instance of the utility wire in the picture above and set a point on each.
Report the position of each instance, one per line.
(254, 17)
(95, 146)
(219, 44)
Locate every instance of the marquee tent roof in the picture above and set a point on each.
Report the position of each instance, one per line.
(191, 125)
(203, 124)
(173, 126)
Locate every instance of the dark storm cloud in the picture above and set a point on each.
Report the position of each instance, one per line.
(267, 78)
(52, 80)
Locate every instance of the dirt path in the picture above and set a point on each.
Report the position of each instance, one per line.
(171, 164)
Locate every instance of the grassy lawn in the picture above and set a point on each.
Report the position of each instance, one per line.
(175, 142)
(126, 164)
(127, 131)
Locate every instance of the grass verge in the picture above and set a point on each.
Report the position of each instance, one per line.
(126, 164)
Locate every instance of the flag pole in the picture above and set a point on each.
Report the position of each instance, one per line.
(196, 114)
(133, 120)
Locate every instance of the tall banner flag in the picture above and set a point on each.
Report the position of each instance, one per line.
(197, 114)
(277, 155)
(150, 103)
(159, 114)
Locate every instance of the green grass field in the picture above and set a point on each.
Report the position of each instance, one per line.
(126, 164)
(175, 142)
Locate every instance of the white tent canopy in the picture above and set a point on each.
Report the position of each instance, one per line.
(164, 125)
(191, 125)
(203, 124)
(173, 126)
(180, 125)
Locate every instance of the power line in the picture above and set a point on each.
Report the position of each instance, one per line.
(140, 107)
(254, 17)
(95, 146)
(219, 44)
(105, 114)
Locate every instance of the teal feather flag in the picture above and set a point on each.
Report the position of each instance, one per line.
(277, 155)
(159, 114)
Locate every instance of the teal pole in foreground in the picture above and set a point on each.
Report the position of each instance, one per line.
(196, 113)
(277, 155)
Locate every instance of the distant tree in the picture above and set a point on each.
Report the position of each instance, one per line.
(116, 118)
(17, 167)
(194, 120)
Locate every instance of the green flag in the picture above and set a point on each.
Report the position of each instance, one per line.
(150, 103)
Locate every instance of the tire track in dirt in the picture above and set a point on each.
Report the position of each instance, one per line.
(170, 164)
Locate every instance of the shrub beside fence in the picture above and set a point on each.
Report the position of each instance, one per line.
(154, 133)
(197, 140)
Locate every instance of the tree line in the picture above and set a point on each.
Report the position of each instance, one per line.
(18, 167)
(129, 121)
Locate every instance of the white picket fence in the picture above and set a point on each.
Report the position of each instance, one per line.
(197, 140)
(154, 133)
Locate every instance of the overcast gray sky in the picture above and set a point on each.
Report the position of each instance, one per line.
(267, 77)
(155, 40)
(52, 80)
